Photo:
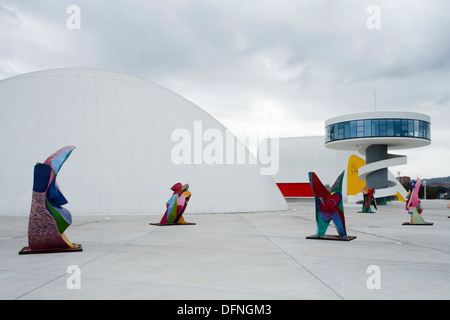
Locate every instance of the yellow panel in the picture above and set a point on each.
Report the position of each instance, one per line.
(186, 194)
(354, 184)
(399, 197)
(66, 240)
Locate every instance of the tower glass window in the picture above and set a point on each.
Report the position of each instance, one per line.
(378, 128)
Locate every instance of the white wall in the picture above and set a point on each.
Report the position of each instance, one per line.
(300, 155)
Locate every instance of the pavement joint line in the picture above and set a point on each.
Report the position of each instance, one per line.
(276, 236)
(400, 241)
(387, 238)
(295, 260)
(87, 262)
(40, 286)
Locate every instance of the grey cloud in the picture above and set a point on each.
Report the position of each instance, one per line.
(310, 59)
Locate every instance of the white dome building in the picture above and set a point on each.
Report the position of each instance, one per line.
(123, 163)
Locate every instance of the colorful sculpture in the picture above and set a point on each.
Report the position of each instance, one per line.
(48, 219)
(176, 206)
(369, 199)
(329, 207)
(413, 205)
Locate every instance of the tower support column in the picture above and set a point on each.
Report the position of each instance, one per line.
(377, 179)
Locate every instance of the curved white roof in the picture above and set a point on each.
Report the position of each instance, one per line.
(121, 127)
(378, 115)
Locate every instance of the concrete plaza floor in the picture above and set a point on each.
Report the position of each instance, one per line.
(255, 256)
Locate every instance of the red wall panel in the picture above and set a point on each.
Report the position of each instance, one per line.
(302, 189)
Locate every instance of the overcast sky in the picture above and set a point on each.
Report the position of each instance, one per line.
(281, 66)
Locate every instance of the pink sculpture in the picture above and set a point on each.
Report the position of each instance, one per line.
(413, 205)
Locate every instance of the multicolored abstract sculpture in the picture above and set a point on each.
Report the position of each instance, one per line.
(329, 207)
(176, 206)
(413, 205)
(48, 219)
(369, 199)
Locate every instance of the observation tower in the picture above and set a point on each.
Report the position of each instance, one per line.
(374, 134)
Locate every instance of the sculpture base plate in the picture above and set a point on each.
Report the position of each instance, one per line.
(366, 212)
(417, 224)
(332, 237)
(26, 250)
(173, 224)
